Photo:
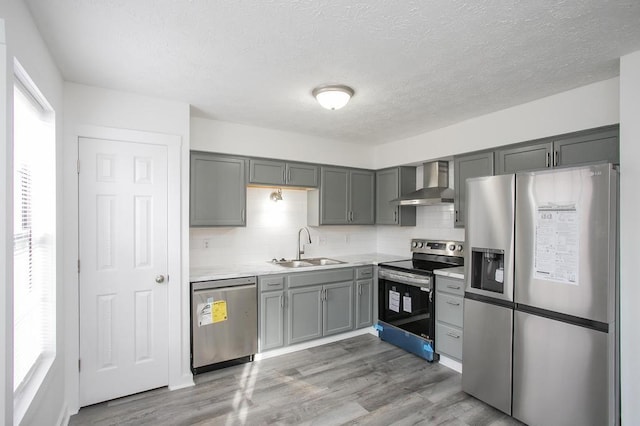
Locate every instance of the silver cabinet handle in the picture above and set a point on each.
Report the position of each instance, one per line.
(455, 287)
(159, 279)
(282, 301)
(395, 216)
(556, 159)
(456, 215)
(455, 336)
(359, 289)
(548, 159)
(284, 176)
(289, 176)
(453, 303)
(242, 215)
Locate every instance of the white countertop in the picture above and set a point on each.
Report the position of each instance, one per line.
(455, 272)
(235, 270)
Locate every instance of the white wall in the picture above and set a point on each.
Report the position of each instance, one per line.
(240, 139)
(629, 235)
(94, 106)
(586, 107)
(23, 42)
(6, 227)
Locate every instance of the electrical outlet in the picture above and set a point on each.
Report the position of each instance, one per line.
(347, 238)
(322, 240)
(206, 243)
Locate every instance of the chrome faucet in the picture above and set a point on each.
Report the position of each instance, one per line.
(301, 250)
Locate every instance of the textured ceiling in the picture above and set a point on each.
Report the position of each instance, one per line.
(415, 65)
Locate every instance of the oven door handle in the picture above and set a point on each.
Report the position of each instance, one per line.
(422, 282)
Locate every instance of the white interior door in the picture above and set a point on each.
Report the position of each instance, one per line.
(123, 268)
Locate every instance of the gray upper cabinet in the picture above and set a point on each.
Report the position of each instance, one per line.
(390, 184)
(523, 158)
(602, 145)
(345, 197)
(273, 172)
(465, 167)
(334, 196)
(217, 190)
(569, 150)
(362, 196)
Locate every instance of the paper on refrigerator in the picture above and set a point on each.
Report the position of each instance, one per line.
(557, 244)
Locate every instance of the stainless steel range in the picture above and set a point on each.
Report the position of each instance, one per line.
(406, 295)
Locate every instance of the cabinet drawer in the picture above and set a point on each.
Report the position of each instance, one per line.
(449, 309)
(449, 341)
(364, 273)
(450, 285)
(271, 282)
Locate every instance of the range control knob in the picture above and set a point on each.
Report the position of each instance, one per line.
(452, 247)
(414, 244)
(460, 247)
(420, 244)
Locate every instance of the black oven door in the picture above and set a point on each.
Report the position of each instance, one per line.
(406, 302)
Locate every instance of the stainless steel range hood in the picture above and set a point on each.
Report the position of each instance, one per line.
(435, 190)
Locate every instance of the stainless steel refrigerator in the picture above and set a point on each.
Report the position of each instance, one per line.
(554, 354)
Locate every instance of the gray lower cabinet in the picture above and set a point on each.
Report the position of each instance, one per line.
(569, 150)
(271, 314)
(465, 167)
(304, 314)
(273, 172)
(298, 307)
(217, 190)
(364, 297)
(337, 308)
(390, 184)
(449, 316)
(346, 197)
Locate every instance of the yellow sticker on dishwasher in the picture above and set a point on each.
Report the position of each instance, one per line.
(219, 312)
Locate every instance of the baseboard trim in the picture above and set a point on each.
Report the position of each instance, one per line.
(313, 343)
(185, 382)
(450, 363)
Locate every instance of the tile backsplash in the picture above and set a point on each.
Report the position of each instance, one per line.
(272, 232)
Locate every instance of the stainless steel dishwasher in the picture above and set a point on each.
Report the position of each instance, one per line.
(224, 322)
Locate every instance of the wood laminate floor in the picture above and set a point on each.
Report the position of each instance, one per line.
(361, 380)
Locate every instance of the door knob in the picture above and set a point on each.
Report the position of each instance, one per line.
(159, 279)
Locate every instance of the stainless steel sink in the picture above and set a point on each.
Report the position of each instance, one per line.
(293, 263)
(323, 261)
(316, 261)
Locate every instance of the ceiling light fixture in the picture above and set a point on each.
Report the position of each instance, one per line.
(333, 96)
(276, 195)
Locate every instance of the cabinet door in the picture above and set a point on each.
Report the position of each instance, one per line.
(334, 201)
(362, 197)
(594, 147)
(523, 158)
(338, 308)
(267, 172)
(468, 166)
(217, 190)
(304, 314)
(271, 320)
(364, 303)
(387, 189)
(305, 175)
